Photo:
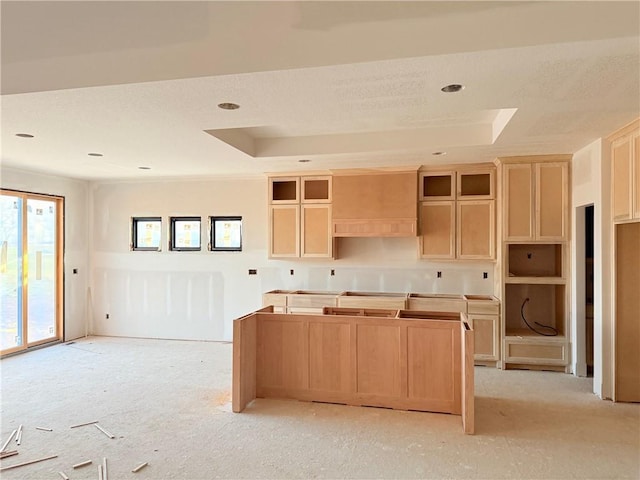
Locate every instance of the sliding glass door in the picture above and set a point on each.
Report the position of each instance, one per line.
(30, 270)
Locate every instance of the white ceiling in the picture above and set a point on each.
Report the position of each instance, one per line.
(344, 84)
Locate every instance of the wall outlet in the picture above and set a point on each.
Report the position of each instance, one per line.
(291, 271)
(253, 271)
(485, 275)
(106, 315)
(333, 272)
(439, 274)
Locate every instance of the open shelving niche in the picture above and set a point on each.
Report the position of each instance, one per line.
(537, 272)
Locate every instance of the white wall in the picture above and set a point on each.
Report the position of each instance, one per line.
(196, 295)
(591, 185)
(76, 222)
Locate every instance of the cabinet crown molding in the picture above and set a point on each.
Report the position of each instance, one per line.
(630, 127)
(564, 157)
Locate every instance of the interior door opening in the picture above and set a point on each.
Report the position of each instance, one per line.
(588, 267)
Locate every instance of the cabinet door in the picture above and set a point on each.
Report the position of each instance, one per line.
(284, 231)
(621, 179)
(552, 201)
(486, 334)
(636, 176)
(437, 230)
(518, 202)
(316, 239)
(475, 229)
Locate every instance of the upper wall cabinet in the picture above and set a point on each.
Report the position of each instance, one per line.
(466, 183)
(457, 213)
(375, 204)
(283, 190)
(536, 199)
(300, 217)
(437, 186)
(625, 165)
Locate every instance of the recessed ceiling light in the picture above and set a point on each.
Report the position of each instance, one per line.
(438, 153)
(453, 88)
(93, 154)
(24, 135)
(304, 160)
(228, 106)
(144, 168)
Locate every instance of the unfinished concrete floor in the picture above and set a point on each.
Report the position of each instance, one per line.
(168, 403)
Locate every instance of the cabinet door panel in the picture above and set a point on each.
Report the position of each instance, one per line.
(316, 231)
(281, 355)
(552, 201)
(518, 202)
(379, 360)
(330, 357)
(475, 232)
(437, 230)
(621, 174)
(486, 336)
(284, 230)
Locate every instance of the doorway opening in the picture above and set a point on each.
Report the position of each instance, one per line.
(588, 267)
(31, 281)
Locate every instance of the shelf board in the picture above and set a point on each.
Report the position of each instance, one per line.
(537, 280)
(519, 333)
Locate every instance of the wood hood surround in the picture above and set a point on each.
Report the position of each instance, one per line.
(375, 204)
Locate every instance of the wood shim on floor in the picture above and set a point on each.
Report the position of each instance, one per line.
(140, 467)
(8, 453)
(8, 440)
(104, 431)
(83, 424)
(27, 463)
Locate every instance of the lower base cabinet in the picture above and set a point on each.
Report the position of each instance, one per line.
(408, 362)
(487, 337)
(542, 352)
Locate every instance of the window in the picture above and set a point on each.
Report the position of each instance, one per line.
(146, 233)
(185, 234)
(226, 234)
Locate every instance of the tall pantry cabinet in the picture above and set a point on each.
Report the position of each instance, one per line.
(625, 211)
(535, 261)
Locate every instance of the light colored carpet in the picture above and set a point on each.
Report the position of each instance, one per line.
(168, 403)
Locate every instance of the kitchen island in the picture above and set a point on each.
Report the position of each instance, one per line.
(399, 359)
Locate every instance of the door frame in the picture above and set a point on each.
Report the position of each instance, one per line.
(59, 263)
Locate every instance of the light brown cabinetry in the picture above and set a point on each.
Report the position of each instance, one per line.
(475, 227)
(627, 306)
(625, 173)
(437, 230)
(300, 217)
(457, 214)
(535, 285)
(395, 301)
(535, 305)
(483, 313)
(374, 204)
(625, 204)
(536, 201)
(405, 362)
